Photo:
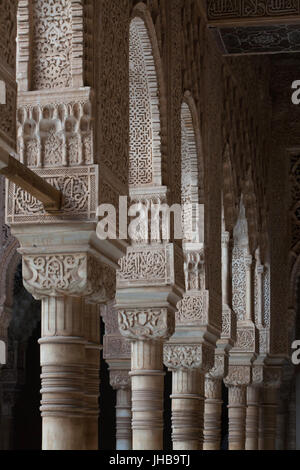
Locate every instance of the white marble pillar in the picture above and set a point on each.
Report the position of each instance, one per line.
(63, 360)
(187, 409)
(147, 382)
(212, 413)
(237, 416)
(121, 383)
(270, 406)
(92, 374)
(123, 419)
(252, 418)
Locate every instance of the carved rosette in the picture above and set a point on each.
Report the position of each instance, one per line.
(188, 356)
(148, 324)
(71, 274)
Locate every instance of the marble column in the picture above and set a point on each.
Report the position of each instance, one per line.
(69, 345)
(117, 354)
(187, 409)
(147, 386)
(121, 383)
(63, 360)
(252, 418)
(123, 419)
(188, 373)
(92, 372)
(270, 405)
(237, 416)
(212, 413)
(147, 330)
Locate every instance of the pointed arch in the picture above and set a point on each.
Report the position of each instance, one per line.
(239, 253)
(146, 97)
(192, 169)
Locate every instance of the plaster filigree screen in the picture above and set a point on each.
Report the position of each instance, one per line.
(191, 182)
(145, 140)
(239, 253)
(50, 46)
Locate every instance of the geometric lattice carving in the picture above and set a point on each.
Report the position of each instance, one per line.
(52, 44)
(248, 9)
(145, 141)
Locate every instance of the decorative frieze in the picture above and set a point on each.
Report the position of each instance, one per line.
(55, 130)
(245, 9)
(80, 201)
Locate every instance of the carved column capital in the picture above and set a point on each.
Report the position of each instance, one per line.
(220, 368)
(188, 356)
(146, 324)
(225, 238)
(248, 261)
(65, 274)
(120, 379)
(238, 376)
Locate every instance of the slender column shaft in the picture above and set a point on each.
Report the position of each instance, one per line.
(147, 379)
(281, 428)
(225, 268)
(187, 409)
(92, 380)
(237, 417)
(291, 432)
(252, 418)
(248, 263)
(261, 428)
(270, 412)
(212, 414)
(123, 420)
(63, 378)
(92, 397)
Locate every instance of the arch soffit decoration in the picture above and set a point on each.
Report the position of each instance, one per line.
(154, 68)
(190, 119)
(193, 162)
(230, 191)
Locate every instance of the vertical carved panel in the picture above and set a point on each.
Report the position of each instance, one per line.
(52, 44)
(141, 124)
